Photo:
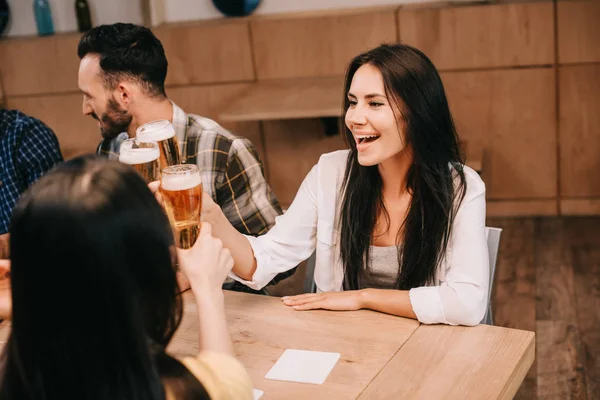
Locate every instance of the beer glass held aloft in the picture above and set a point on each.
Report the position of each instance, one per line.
(142, 156)
(181, 189)
(162, 132)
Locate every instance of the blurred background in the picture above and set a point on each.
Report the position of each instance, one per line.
(522, 78)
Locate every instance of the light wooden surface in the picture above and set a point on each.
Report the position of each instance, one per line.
(77, 134)
(262, 328)
(207, 53)
(481, 36)
(485, 362)
(579, 88)
(39, 65)
(382, 356)
(288, 99)
(297, 46)
(521, 208)
(578, 31)
(512, 114)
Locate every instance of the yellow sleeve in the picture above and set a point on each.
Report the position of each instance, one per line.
(222, 375)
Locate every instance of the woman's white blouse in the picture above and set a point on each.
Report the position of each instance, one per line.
(460, 293)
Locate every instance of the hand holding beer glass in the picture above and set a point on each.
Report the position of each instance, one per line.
(142, 156)
(181, 189)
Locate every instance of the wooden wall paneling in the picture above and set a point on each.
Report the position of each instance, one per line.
(578, 31)
(77, 134)
(512, 114)
(579, 125)
(580, 207)
(39, 65)
(208, 101)
(481, 36)
(293, 147)
(522, 208)
(207, 52)
(288, 99)
(318, 45)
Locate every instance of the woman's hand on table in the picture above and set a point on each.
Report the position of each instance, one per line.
(338, 301)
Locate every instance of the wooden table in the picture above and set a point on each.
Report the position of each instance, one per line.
(262, 328)
(456, 362)
(382, 357)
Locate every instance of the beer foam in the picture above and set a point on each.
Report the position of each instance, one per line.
(139, 155)
(180, 182)
(155, 131)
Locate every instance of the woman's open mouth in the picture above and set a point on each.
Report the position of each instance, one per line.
(363, 142)
(363, 139)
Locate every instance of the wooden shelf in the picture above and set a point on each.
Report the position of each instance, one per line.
(304, 98)
(288, 99)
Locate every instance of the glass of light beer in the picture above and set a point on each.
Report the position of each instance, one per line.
(181, 189)
(142, 156)
(162, 132)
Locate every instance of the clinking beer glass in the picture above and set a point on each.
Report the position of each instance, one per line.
(142, 156)
(181, 189)
(162, 132)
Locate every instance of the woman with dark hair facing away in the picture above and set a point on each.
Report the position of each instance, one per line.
(397, 221)
(95, 299)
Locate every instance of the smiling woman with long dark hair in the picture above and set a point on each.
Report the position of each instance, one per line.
(398, 220)
(95, 300)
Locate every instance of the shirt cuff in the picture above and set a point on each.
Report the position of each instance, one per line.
(427, 305)
(261, 277)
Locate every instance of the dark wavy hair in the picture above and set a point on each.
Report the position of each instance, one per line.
(94, 291)
(413, 85)
(127, 51)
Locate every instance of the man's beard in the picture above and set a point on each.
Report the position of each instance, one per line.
(114, 121)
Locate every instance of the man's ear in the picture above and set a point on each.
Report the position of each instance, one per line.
(123, 94)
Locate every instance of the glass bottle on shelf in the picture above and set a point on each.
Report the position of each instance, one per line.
(82, 11)
(4, 15)
(43, 17)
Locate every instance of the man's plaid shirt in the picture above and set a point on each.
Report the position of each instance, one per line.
(28, 149)
(230, 169)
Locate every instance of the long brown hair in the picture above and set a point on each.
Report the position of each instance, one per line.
(413, 84)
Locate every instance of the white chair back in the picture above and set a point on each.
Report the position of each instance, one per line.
(493, 242)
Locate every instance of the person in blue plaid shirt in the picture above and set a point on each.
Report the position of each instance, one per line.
(122, 77)
(28, 149)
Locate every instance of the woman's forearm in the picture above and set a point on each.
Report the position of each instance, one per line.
(395, 302)
(213, 333)
(238, 245)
